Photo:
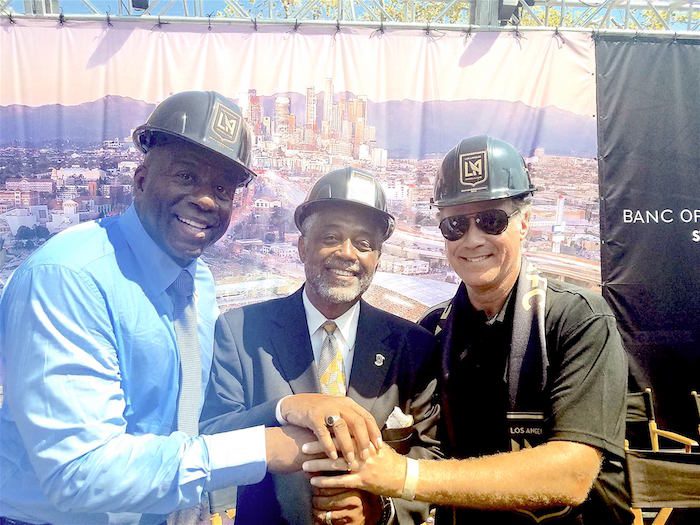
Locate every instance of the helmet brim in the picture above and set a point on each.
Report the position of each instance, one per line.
(141, 143)
(307, 208)
(481, 197)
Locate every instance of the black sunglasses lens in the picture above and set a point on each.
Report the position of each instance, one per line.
(454, 228)
(493, 222)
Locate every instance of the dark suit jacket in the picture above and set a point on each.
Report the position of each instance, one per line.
(263, 353)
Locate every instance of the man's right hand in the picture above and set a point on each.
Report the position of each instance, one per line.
(283, 448)
(353, 432)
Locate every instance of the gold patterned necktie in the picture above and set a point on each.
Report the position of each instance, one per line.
(330, 363)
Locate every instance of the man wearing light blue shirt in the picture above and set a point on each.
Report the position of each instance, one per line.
(90, 430)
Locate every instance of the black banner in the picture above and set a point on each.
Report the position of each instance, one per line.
(649, 167)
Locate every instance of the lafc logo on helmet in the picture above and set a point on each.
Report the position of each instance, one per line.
(225, 124)
(473, 168)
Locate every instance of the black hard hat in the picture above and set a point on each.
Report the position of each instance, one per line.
(204, 118)
(350, 185)
(480, 169)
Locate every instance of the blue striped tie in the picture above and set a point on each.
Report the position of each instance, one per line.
(185, 320)
(190, 392)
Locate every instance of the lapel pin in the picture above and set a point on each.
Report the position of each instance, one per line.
(378, 359)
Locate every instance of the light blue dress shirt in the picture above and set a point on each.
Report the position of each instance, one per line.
(91, 373)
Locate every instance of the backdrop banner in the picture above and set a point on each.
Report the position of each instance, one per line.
(649, 159)
(392, 102)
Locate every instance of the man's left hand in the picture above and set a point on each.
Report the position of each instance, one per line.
(382, 473)
(354, 430)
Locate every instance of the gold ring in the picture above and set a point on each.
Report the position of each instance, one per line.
(332, 420)
(329, 520)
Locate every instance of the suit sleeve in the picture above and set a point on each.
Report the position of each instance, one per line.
(227, 405)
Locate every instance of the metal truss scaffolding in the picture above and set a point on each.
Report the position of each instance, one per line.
(665, 16)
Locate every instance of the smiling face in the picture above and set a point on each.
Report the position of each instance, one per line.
(340, 248)
(184, 198)
(487, 264)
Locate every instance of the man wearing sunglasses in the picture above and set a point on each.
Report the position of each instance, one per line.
(534, 373)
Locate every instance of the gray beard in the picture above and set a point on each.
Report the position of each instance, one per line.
(335, 294)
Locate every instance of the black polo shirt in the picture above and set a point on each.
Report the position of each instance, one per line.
(480, 370)
(584, 397)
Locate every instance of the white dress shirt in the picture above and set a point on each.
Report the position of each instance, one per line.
(345, 335)
(345, 332)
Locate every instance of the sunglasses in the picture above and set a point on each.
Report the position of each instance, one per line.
(493, 222)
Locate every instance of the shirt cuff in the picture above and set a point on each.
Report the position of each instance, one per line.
(236, 458)
(278, 411)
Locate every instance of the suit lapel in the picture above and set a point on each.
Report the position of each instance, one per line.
(291, 345)
(372, 359)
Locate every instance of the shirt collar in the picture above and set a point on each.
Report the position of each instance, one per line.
(501, 315)
(462, 303)
(152, 260)
(346, 323)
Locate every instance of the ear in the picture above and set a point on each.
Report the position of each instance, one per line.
(301, 248)
(376, 264)
(524, 223)
(140, 177)
(379, 253)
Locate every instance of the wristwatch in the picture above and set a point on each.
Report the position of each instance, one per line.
(388, 511)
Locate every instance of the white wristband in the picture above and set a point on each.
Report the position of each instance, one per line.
(410, 482)
(278, 412)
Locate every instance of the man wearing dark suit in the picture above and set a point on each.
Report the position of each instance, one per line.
(272, 358)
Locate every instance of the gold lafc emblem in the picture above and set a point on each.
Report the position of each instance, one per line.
(225, 124)
(473, 169)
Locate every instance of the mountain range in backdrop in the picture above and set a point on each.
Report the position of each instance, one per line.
(428, 128)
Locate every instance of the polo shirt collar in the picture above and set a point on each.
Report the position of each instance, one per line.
(462, 302)
(500, 317)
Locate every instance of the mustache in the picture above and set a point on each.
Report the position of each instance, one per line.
(334, 263)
